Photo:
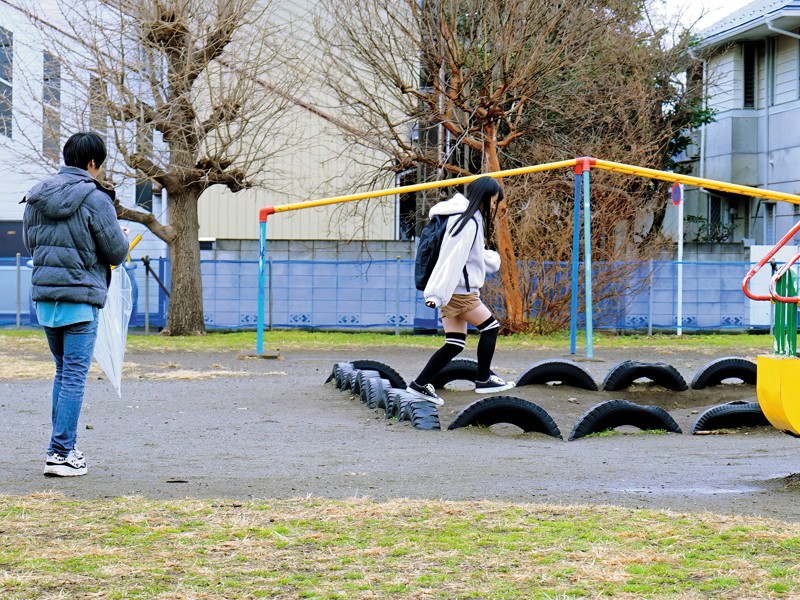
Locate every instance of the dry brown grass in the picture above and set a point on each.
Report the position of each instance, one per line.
(137, 548)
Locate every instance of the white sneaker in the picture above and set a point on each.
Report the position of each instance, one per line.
(493, 384)
(71, 465)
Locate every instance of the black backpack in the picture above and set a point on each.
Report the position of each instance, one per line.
(430, 242)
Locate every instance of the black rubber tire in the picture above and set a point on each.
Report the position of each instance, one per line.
(366, 385)
(489, 411)
(424, 415)
(393, 396)
(376, 390)
(361, 376)
(564, 372)
(731, 416)
(730, 367)
(352, 383)
(342, 375)
(383, 397)
(625, 373)
(332, 376)
(465, 369)
(386, 372)
(615, 413)
(404, 407)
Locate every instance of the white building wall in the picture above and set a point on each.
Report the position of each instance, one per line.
(786, 65)
(22, 164)
(723, 73)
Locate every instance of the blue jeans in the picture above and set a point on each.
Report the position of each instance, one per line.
(72, 347)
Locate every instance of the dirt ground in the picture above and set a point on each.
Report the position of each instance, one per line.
(225, 426)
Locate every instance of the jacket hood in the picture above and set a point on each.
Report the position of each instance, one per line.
(455, 205)
(60, 196)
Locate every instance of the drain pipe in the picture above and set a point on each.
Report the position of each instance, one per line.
(772, 27)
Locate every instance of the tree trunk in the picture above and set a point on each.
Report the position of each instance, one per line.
(509, 274)
(185, 316)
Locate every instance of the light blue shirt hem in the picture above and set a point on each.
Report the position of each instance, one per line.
(61, 314)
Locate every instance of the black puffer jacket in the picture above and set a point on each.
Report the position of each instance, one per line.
(71, 230)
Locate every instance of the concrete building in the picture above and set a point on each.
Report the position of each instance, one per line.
(752, 73)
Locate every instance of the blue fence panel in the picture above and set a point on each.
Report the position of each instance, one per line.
(381, 295)
(10, 291)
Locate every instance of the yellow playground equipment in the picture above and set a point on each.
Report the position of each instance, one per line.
(778, 376)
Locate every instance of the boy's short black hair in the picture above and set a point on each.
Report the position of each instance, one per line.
(83, 147)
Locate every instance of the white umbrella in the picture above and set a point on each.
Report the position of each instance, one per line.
(112, 325)
(112, 328)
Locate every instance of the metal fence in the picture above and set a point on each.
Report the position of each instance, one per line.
(381, 295)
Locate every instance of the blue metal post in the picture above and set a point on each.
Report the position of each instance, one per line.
(262, 256)
(576, 242)
(587, 260)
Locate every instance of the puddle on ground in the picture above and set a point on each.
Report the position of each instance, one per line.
(696, 491)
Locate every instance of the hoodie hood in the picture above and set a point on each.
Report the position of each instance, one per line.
(454, 206)
(60, 196)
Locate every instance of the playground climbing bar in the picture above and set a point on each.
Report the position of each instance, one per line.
(582, 167)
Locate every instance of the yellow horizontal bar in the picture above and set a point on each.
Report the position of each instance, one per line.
(426, 186)
(698, 181)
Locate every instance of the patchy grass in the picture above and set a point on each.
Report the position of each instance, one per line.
(12, 341)
(313, 548)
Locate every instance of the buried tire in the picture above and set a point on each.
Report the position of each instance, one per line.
(342, 375)
(424, 415)
(730, 367)
(336, 367)
(507, 409)
(393, 397)
(616, 413)
(376, 392)
(625, 373)
(557, 371)
(385, 371)
(458, 369)
(731, 416)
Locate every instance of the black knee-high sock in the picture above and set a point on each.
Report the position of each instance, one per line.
(453, 345)
(489, 330)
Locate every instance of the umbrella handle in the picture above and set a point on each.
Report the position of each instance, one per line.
(134, 241)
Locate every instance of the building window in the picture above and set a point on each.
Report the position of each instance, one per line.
(750, 63)
(6, 80)
(769, 223)
(51, 107)
(715, 210)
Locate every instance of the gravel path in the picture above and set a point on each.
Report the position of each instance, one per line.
(221, 426)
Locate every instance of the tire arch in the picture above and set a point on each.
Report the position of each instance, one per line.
(507, 409)
(616, 413)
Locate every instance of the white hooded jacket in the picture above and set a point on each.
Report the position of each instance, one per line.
(464, 249)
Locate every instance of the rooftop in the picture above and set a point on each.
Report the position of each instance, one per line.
(751, 22)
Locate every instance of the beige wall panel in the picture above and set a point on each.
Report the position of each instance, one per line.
(311, 165)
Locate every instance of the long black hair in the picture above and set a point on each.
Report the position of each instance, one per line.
(479, 193)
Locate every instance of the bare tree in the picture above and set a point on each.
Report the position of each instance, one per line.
(187, 93)
(483, 85)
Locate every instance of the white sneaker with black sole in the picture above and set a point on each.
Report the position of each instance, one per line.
(492, 385)
(424, 392)
(71, 465)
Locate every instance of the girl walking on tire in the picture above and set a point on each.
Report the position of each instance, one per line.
(454, 285)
